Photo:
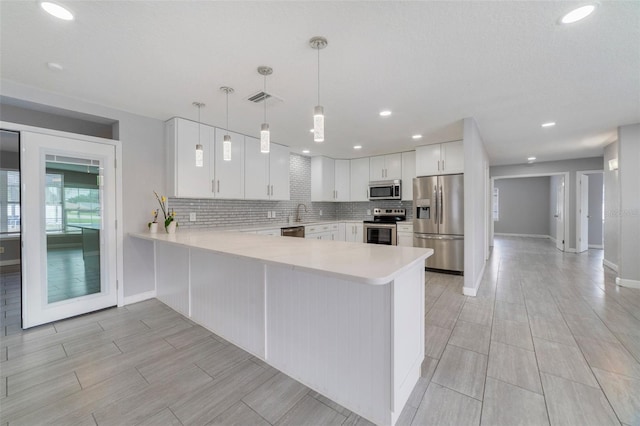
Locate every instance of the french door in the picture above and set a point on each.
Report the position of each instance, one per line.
(69, 235)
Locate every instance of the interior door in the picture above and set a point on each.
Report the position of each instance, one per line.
(559, 216)
(69, 235)
(583, 239)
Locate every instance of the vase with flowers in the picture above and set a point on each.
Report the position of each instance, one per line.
(170, 223)
(153, 226)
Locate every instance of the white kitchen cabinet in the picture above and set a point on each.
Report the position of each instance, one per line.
(330, 179)
(408, 173)
(359, 179)
(385, 167)
(279, 172)
(330, 231)
(440, 159)
(229, 175)
(405, 234)
(266, 175)
(323, 178)
(275, 232)
(342, 231)
(184, 179)
(354, 232)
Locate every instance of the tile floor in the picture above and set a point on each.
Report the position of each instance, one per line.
(548, 340)
(70, 275)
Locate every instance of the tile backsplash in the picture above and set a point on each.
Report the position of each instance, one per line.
(211, 213)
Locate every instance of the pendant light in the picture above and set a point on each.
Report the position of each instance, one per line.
(318, 112)
(199, 149)
(226, 144)
(265, 137)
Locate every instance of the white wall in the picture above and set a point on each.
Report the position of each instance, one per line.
(549, 167)
(611, 208)
(476, 207)
(629, 175)
(524, 206)
(143, 170)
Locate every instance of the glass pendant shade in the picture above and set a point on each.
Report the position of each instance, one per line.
(265, 138)
(318, 124)
(199, 156)
(226, 148)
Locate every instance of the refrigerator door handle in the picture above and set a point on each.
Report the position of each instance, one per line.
(439, 237)
(441, 205)
(435, 201)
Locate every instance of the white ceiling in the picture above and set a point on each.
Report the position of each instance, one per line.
(508, 64)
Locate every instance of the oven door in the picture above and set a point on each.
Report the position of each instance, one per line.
(376, 233)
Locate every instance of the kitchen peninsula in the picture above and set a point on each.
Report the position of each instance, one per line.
(345, 319)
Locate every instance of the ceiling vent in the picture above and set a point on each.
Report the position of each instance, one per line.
(262, 96)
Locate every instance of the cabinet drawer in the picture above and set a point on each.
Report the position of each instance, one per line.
(405, 227)
(320, 228)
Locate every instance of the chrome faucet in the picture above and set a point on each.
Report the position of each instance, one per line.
(298, 217)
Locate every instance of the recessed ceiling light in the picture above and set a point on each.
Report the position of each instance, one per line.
(357, 147)
(311, 130)
(531, 159)
(417, 136)
(549, 124)
(385, 113)
(578, 14)
(54, 66)
(305, 151)
(57, 10)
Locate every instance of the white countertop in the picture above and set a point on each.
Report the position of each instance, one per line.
(367, 263)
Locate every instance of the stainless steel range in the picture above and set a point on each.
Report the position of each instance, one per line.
(382, 229)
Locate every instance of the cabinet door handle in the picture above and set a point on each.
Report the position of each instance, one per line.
(442, 164)
(218, 186)
(438, 165)
(267, 190)
(271, 189)
(213, 187)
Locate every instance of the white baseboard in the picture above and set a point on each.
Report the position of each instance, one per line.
(623, 282)
(610, 265)
(9, 262)
(551, 238)
(570, 250)
(128, 300)
(503, 234)
(596, 246)
(467, 291)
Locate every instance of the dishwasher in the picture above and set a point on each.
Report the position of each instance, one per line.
(292, 231)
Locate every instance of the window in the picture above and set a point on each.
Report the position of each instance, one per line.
(82, 206)
(53, 202)
(10, 201)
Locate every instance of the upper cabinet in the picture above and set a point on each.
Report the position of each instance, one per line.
(330, 179)
(229, 175)
(408, 173)
(385, 167)
(249, 174)
(184, 178)
(266, 175)
(360, 179)
(440, 159)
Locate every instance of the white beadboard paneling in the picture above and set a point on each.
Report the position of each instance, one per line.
(228, 298)
(334, 336)
(408, 334)
(172, 276)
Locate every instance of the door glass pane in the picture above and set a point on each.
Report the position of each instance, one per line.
(72, 223)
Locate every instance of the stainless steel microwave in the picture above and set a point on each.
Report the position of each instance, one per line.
(385, 190)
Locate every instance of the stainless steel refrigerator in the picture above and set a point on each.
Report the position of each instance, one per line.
(438, 220)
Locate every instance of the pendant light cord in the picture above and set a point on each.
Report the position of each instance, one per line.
(318, 48)
(265, 98)
(227, 111)
(199, 123)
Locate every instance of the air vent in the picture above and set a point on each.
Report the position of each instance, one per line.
(262, 96)
(259, 97)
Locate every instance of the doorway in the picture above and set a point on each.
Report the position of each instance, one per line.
(69, 216)
(10, 275)
(589, 210)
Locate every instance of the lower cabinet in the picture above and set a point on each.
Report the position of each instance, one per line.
(323, 232)
(354, 232)
(405, 234)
